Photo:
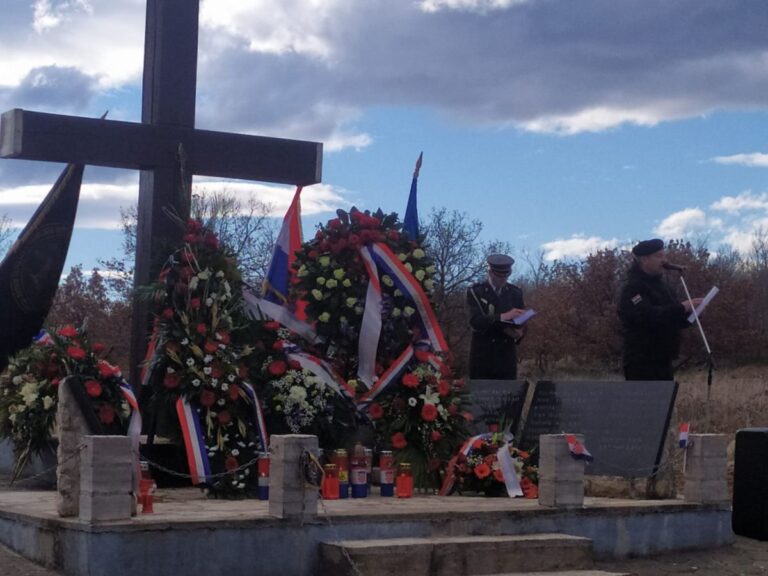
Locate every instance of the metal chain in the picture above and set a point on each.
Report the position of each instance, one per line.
(207, 476)
(337, 539)
(79, 448)
(666, 463)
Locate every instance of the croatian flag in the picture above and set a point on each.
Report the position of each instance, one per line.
(275, 288)
(683, 438)
(411, 219)
(578, 450)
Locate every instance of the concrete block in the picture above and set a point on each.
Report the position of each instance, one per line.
(561, 494)
(95, 507)
(706, 468)
(707, 445)
(561, 476)
(290, 495)
(707, 491)
(116, 478)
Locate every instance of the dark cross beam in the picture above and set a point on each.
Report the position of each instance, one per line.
(167, 122)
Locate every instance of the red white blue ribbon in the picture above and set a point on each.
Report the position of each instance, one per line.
(578, 450)
(410, 287)
(370, 328)
(508, 471)
(324, 371)
(390, 376)
(259, 307)
(194, 441)
(683, 438)
(258, 416)
(134, 429)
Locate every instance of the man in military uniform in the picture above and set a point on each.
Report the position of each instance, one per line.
(492, 306)
(651, 316)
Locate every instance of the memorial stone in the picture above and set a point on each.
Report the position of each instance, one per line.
(625, 423)
(72, 428)
(496, 402)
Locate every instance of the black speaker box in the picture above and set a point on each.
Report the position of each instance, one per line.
(750, 484)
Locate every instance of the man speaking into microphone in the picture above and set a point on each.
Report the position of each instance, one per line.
(651, 315)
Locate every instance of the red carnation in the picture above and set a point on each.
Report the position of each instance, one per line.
(172, 380)
(272, 325)
(294, 364)
(453, 409)
(195, 303)
(375, 411)
(224, 417)
(194, 225)
(443, 388)
(231, 464)
(435, 436)
(398, 441)
(207, 398)
(106, 370)
(482, 470)
(98, 348)
(223, 337)
(201, 328)
(168, 313)
(429, 412)
(190, 238)
(498, 475)
(277, 345)
(106, 414)
(93, 388)
(211, 241)
(210, 347)
(411, 380)
(68, 331)
(234, 392)
(76, 353)
(277, 368)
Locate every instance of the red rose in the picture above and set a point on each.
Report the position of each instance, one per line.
(231, 464)
(398, 441)
(68, 331)
(201, 328)
(435, 436)
(106, 370)
(98, 348)
(210, 347)
(190, 238)
(194, 225)
(194, 303)
(172, 380)
(106, 414)
(211, 241)
(482, 470)
(216, 371)
(443, 388)
(93, 388)
(186, 273)
(278, 345)
(223, 337)
(277, 368)
(411, 380)
(498, 475)
(375, 411)
(207, 398)
(168, 313)
(234, 392)
(354, 241)
(224, 417)
(76, 353)
(453, 409)
(429, 412)
(294, 364)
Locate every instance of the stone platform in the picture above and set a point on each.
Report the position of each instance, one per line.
(191, 535)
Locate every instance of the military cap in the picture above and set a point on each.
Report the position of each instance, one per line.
(500, 263)
(648, 247)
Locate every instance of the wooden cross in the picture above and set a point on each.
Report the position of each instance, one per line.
(167, 125)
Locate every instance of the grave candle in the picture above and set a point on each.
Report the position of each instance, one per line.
(404, 483)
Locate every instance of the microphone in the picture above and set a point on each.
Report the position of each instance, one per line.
(675, 267)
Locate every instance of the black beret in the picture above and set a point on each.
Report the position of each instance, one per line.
(648, 247)
(500, 263)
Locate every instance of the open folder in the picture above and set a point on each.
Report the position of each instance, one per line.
(700, 308)
(523, 318)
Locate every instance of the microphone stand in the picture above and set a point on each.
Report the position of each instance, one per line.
(710, 360)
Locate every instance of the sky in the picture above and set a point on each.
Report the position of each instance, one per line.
(563, 126)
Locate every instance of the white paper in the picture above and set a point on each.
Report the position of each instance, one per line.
(523, 318)
(700, 308)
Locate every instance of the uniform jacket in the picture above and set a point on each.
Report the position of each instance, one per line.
(492, 351)
(651, 318)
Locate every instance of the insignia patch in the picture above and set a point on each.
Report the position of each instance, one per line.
(636, 299)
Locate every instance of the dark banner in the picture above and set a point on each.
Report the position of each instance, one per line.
(30, 272)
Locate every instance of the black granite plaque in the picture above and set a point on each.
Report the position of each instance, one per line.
(496, 402)
(624, 423)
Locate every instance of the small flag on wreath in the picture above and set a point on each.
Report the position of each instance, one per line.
(578, 450)
(683, 437)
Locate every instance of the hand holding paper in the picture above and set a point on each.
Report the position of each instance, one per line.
(700, 308)
(521, 319)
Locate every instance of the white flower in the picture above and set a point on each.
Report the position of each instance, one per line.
(297, 393)
(235, 452)
(208, 358)
(231, 377)
(17, 380)
(193, 283)
(220, 274)
(207, 370)
(184, 341)
(221, 401)
(170, 370)
(214, 382)
(408, 267)
(29, 393)
(224, 386)
(412, 401)
(47, 402)
(408, 311)
(209, 301)
(190, 361)
(204, 275)
(196, 382)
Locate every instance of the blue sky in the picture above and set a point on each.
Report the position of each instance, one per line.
(563, 126)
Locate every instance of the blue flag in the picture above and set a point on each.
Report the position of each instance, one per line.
(411, 220)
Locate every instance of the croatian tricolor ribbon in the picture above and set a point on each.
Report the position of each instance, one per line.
(683, 438)
(258, 416)
(577, 449)
(370, 328)
(508, 470)
(408, 285)
(388, 377)
(324, 371)
(134, 429)
(197, 456)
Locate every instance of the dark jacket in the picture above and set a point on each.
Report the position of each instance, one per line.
(651, 319)
(492, 352)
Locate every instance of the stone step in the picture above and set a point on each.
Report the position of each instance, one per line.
(456, 555)
(565, 573)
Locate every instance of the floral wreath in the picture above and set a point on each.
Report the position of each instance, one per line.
(29, 390)
(195, 363)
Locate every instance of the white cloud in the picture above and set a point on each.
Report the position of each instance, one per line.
(683, 224)
(741, 238)
(577, 246)
(755, 159)
(49, 14)
(746, 201)
(481, 6)
(592, 120)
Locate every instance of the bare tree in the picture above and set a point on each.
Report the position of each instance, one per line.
(6, 233)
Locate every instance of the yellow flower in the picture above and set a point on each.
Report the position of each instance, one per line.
(325, 261)
(429, 284)
(324, 317)
(351, 301)
(331, 283)
(419, 275)
(418, 253)
(320, 280)
(408, 267)
(396, 312)
(402, 257)
(347, 283)
(318, 295)
(387, 280)
(338, 273)
(431, 269)
(352, 383)
(408, 311)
